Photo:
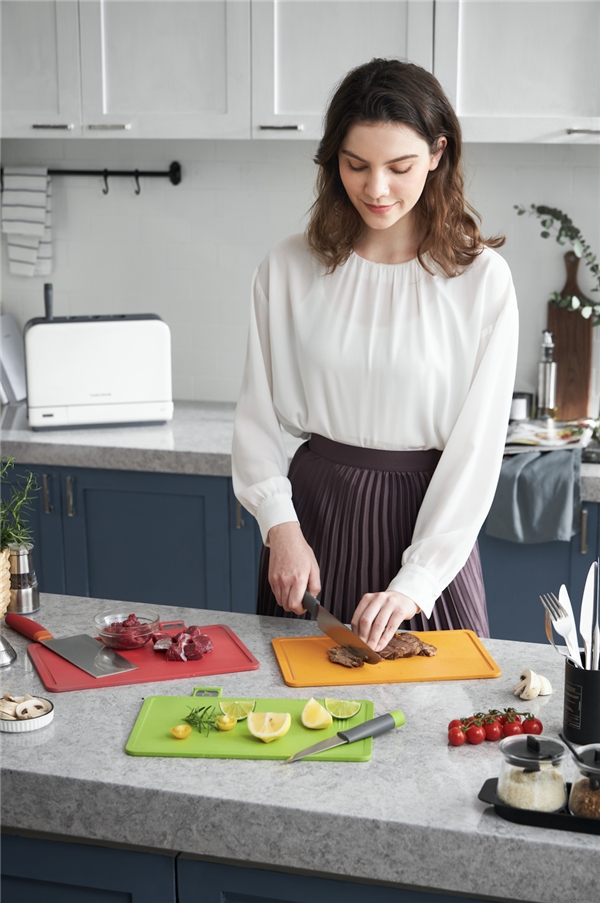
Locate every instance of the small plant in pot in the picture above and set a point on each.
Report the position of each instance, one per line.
(15, 538)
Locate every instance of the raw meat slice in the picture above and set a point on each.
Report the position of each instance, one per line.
(404, 645)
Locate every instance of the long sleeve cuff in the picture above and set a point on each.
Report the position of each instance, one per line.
(419, 585)
(276, 509)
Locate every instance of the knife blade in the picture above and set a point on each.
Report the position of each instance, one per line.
(595, 628)
(372, 728)
(587, 612)
(338, 632)
(570, 635)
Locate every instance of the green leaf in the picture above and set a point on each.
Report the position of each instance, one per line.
(545, 234)
(575, 302)
(586, 312)
(548, 223)
(578, 247)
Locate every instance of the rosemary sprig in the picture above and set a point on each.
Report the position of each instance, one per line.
(204, 718)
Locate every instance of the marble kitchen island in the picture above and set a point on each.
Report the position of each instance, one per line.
(407, 819)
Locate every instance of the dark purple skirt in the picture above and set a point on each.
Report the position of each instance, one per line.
(357, 508)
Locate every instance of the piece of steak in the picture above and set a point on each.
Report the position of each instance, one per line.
(345, 655)
(403, 645)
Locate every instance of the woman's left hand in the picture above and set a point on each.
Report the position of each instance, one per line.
(378, 616)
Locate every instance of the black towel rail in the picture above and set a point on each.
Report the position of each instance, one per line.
(173, 174)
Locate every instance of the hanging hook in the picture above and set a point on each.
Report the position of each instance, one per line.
(105, 189)
(136, 176)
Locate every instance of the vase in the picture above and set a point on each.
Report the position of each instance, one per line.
(4, 581)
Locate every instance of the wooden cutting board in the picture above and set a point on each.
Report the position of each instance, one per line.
(461, 656)
(228, 655)
(573, 337)
(151, 735)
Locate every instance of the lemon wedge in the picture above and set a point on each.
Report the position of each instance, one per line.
(342, 708)
(268, 726)
(237, 708)
(314, 716)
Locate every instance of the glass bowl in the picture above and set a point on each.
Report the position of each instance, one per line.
(117, 628)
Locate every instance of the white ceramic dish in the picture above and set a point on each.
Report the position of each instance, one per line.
(27, 724)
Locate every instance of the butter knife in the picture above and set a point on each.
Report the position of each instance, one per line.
(587, 613)
(570, 634)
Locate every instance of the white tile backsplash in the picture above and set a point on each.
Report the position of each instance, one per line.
(188, 252)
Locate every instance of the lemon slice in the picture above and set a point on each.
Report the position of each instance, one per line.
(315, 716)
(342, 708)
(237, 708)
(269, 726)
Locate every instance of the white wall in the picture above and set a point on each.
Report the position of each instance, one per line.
(188, 252)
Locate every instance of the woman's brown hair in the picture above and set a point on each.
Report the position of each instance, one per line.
(403, 93)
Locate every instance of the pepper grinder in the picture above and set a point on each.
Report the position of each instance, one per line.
(547, 380)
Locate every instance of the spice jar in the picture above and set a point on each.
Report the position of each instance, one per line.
(584, 799)
(532, 773)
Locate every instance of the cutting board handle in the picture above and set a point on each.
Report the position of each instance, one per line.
(27, 627)
(571, 286)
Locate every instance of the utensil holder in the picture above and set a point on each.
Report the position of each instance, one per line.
(581, 718)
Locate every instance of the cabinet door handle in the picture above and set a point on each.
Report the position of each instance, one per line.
(583, 131)
(66, 126)
(584, 520)
(281, 128)
(108, 127)
(70, 505)
(46, 490)
(239, 520)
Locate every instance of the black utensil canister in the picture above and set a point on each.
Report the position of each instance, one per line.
(581, 719)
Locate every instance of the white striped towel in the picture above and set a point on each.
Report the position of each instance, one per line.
(27, 219)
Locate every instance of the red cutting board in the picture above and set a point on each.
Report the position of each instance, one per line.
(229, 654)
(460, 656)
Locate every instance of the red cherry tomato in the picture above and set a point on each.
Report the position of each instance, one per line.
(493, 730)
(476, 734)
(456, 736)
(512, 728)
(510, 715)
(456, 722)
(532, 726)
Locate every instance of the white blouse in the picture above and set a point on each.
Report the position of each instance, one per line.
(381, 356)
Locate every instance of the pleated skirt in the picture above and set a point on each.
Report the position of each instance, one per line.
(357, 508)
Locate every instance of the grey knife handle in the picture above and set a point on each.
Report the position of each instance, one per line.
(310, 604)
(372, 728)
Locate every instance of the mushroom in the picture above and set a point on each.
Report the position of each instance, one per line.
(7, 709)
(529, 685)
(545, 686)
(32, 708)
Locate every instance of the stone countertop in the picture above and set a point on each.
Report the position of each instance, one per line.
(410, 816)
(196, 441)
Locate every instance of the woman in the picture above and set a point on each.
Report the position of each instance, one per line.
(387, 337)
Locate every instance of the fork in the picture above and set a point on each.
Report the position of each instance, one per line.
(548, 628)
(564, 625)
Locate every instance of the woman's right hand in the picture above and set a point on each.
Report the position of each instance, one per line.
(293, 567)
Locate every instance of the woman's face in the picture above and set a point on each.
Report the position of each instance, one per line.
(383, 167)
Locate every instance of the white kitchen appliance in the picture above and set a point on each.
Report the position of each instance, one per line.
(85, 371)
(12, 361)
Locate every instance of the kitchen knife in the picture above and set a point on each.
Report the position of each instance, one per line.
(595, 644)
(570, 635)
(587, 613)
(338, 632)
(82, 650)
(372, 728)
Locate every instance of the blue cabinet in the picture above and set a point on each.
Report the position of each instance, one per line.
(162, 539)
(516, 574)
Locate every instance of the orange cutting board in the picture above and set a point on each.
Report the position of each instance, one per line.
(461, 656)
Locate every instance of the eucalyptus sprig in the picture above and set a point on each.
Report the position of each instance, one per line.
(557, 222)
(13, 528)
(204, 718)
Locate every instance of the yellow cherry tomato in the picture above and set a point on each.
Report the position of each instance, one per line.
(226, 722)
(181, 731)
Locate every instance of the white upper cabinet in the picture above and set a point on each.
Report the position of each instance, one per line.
(40, 69)
(302, 48)
(521, 70)
(166, 68)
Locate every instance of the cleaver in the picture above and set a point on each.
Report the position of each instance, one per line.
(338, 632)
(83, 651)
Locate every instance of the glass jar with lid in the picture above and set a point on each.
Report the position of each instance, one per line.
(584, 798)
(532, 773)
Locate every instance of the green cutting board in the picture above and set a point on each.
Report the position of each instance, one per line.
(151, 734)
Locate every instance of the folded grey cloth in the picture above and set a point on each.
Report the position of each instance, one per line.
(538, 497)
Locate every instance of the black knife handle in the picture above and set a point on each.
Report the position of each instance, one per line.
(310, 604)
(373, 728)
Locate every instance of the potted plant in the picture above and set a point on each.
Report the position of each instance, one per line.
(15, 533)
